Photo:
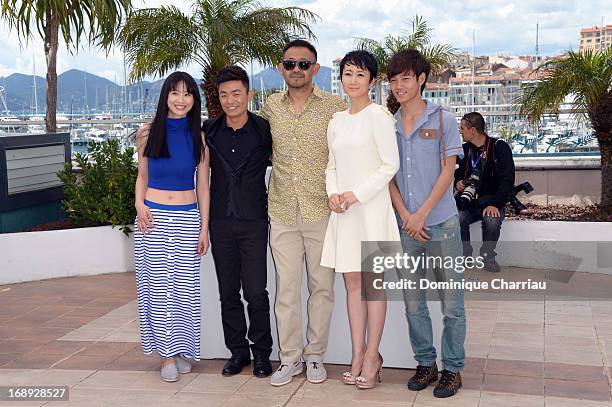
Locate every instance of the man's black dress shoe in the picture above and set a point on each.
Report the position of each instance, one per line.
(235, 364)
(262, 366)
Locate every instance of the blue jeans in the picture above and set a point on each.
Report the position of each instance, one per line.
(491, 228)
(445, 241)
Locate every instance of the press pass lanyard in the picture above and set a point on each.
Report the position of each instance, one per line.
(474, 162)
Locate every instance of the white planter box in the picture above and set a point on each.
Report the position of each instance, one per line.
(41, 255)
(34, 256)
(395, 344)
(554, 245)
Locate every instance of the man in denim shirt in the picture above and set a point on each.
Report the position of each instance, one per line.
(429, 144)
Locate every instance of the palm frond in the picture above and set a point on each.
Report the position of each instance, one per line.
(265, 31)
(98, 20)
(235, 32)
(395, 44)
(381, 54)
(158, 40)
(439, 55)
(17, 19)
(419, 36)
(367, 44)
(585, 75)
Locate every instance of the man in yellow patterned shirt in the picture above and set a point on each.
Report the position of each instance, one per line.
(297, 206)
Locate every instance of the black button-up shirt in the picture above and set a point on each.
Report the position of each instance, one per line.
(234, 145)
(238, 161)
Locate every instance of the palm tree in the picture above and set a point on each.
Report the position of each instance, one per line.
(218, 33)
(438, 55)
(97, 19)
(587, 77)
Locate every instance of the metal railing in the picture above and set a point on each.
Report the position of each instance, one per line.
(563, 134)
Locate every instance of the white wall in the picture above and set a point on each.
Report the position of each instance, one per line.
(32, 256)
(395, 347)
(551, 245)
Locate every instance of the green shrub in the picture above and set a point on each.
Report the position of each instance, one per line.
(101, 192)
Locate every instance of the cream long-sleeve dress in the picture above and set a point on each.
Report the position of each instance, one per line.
(363, 158)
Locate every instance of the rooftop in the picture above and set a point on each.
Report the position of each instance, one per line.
(595, 29)
(83, 332)
(437, 86)
(481, 78)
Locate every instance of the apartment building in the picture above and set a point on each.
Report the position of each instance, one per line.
(596, 38)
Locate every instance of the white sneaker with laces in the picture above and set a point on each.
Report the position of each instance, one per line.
(284, 374)
(315, 371)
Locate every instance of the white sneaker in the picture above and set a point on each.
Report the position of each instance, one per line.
(169, 373)
(315, 371)
(284, 374)
(183, 364)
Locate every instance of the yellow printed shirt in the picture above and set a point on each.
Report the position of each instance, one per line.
(299, 155)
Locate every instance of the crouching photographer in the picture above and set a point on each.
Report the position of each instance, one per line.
(484, 182)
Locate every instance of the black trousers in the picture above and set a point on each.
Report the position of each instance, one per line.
(491, 228)
(239, 249)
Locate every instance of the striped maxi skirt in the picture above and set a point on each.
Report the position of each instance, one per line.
(168, 281)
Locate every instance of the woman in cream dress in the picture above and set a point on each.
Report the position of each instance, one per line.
(363, 158)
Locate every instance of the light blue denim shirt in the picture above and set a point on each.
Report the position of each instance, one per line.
(420, 161)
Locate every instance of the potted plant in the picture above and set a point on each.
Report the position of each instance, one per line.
(99, 200)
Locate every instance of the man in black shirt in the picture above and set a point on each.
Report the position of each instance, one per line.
(491, 159)
(239, 145)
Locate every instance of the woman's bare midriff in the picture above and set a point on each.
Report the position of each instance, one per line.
(170, 197)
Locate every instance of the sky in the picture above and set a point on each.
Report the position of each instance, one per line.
(499, 26)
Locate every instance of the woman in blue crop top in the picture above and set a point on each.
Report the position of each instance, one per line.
(172, 202)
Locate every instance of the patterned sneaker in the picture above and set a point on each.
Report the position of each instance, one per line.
(423, 377)
(315, 371)
(448, 385)
(284, 374)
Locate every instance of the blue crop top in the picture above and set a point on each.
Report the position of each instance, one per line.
(175, 173)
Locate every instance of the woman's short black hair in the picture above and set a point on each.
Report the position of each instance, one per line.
(157, 145)
(300, 44)
(232, 73)
(476, 121)
(409, 60)
(362, 59)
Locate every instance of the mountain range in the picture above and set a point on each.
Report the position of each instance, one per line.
(79, 91)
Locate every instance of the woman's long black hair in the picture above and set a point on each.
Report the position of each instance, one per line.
(157, 145)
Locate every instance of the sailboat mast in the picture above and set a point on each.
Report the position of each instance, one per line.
(85, 106)
(125, 95)
(473, 68)
(537, 61)
(34, 85)
(601, 36)
(262, 94)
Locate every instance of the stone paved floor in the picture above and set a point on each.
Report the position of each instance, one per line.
(82, 332)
